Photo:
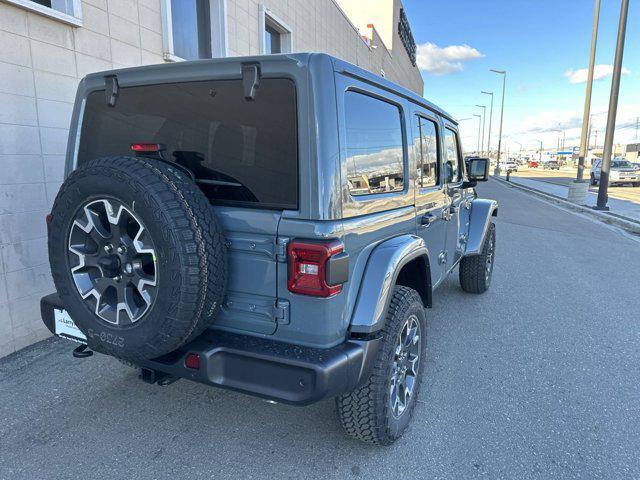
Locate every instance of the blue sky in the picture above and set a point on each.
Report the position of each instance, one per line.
(538, 43)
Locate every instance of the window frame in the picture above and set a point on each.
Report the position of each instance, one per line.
(74, 18)
(405, 168)
(276, 23)
(218, 29)
(456, 135)
(439, 180)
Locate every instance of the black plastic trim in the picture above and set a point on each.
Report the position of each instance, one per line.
(338, 269)
(261, 367)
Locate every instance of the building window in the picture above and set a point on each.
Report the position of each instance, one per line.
(187, 28)
(67, 11)
(375, 149)
(275, 35)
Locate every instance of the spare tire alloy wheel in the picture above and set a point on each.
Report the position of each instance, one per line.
(113, 261)
(137, 256)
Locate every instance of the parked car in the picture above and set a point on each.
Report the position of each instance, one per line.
(225, 235)
(510, 165)
(551, 165)
(621, 171)
(533, 164)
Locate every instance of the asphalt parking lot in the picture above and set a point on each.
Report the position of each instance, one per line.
(537, 378)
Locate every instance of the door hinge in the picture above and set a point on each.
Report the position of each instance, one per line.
(111, 90)
(281, 249)
(281, 312)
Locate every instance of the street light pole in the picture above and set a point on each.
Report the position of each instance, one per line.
(490, 118)
(613, 110)
(540, 152)
(520, 154)
(484, 117)
(504, 83)
(479, 124)
(587, 101)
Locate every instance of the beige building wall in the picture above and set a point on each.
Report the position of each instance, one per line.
(42, 60)
(330, 26)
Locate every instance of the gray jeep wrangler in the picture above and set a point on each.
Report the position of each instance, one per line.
(273, 225)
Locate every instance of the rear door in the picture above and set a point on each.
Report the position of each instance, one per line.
(453, 179)
(244, 157)
(431, 198)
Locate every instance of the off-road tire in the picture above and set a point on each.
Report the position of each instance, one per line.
(189, 253)
(473, 269)
(365, 413)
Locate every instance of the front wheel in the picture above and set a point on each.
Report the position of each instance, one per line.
(476, 271)
(380, 410)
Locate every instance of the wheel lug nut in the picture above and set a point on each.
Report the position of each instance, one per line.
(128, 268)
(121, 249)
(108, 248)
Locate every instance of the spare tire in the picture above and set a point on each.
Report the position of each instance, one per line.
(137, 256)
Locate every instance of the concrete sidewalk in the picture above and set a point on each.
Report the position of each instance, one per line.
(624, 213)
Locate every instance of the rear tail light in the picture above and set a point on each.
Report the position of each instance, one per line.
(308, 267)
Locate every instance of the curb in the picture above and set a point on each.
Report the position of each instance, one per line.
(630, 225)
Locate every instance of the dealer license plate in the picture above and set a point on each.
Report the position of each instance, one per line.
(65, 327)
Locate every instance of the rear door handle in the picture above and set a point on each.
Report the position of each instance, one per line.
(427, 219)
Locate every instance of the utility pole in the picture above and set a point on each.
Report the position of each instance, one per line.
(596, 140)
(637, 127)
(504, 83)
(479, 125)
(613, 109)
(540, 152)
(490, 118)
(587, 101)
(484, 116)
(520, 154)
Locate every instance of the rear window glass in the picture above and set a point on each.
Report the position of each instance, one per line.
(240, 151)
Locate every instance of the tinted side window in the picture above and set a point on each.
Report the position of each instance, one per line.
(425, 140)
(374, 145)
(452, 167)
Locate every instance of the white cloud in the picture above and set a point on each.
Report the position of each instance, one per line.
(441, 61)
(599, 72)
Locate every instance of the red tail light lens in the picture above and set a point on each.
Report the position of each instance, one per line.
(308, 267)
(146, 147)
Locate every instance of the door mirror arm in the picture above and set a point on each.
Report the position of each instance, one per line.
(469, 184)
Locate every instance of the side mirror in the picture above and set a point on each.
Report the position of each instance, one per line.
(478, 169)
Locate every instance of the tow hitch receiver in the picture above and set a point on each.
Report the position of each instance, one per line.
(151, 376)
(82, 351)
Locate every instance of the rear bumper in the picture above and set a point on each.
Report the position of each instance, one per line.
(266, 368)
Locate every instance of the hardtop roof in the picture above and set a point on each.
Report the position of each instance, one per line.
(300, 60)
